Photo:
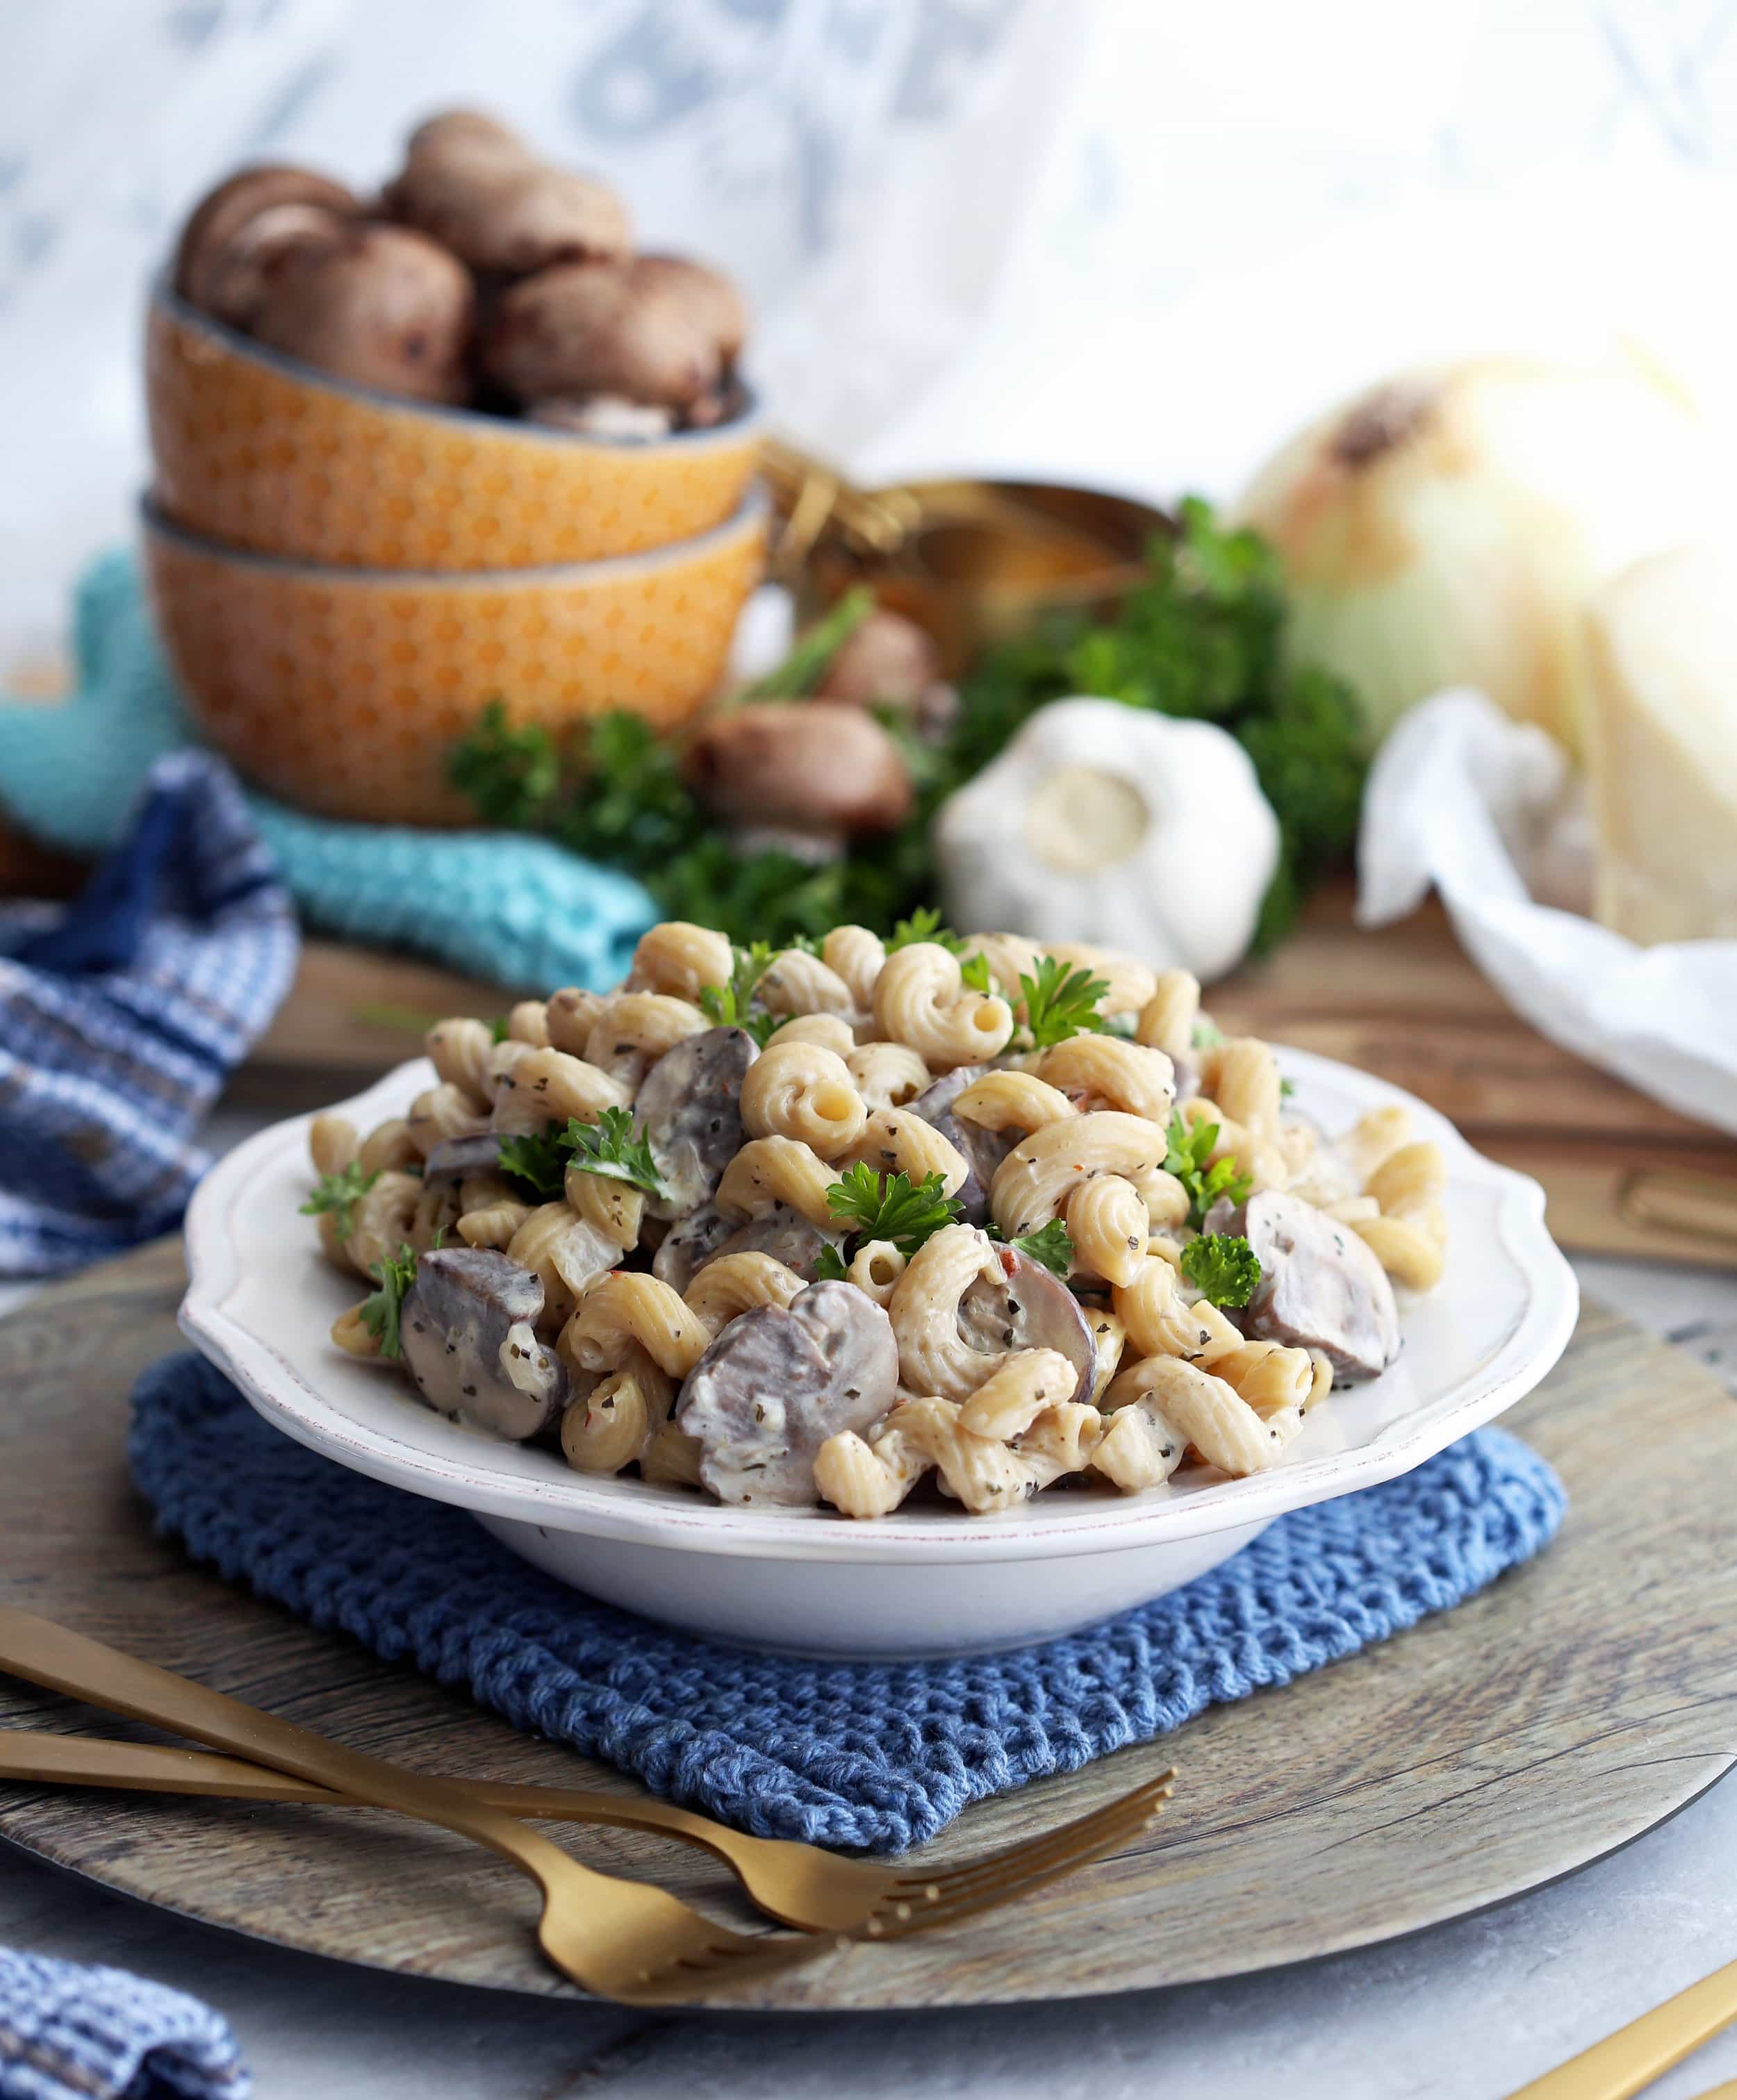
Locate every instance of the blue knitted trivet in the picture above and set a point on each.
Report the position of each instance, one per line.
(874, 1755)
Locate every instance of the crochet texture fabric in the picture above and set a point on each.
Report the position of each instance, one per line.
(866, 1755)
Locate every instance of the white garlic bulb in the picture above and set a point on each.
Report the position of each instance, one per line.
(1108, 823)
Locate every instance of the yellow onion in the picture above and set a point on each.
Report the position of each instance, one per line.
(1447, 527)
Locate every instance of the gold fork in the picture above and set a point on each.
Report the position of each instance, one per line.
(1631, 2058)
(799, 1884)
(621, 1939)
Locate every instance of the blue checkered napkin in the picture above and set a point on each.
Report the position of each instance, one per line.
(121, 1015)
(72, 2033)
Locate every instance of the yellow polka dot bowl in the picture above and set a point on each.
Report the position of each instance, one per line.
(260, 450)
(342, 690)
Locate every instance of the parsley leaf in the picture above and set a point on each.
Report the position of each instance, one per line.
(512, 776)
(731, 1005)
(1222, 1267)
(537, 1158)
(830, 1266)
(339, 1193)
(1061, 1001)
(612, 1146)
(924, 924)
(382, 1307)
(499, 1031)
(1205, 1034)
(975, 975)
(1190, 1145)
(1287, 1088)
(886, 1207)
(1052, 1245)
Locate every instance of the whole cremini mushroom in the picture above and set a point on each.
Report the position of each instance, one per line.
(231, 233)
(380, 305)
(655, 329)
(888, 659)
(807, 765)
(476, 187)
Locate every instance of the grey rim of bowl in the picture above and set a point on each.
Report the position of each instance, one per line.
(752, 512)
(747, 424)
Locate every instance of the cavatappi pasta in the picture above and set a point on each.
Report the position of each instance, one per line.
(842, 1229)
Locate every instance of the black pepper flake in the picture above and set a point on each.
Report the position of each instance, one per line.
(468, 1391)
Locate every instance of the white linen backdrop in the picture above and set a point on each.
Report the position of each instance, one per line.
(1108, 239)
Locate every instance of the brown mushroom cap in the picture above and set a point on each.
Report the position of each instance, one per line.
(382, 306)
(477, 188)
(810, 766)
(238, 279)
(654, 329)
(888, 659)
(201, 254)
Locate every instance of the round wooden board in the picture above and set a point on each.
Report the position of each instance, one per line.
(1562, 1713)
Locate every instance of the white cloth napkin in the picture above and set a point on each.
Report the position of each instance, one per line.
(1458, 797)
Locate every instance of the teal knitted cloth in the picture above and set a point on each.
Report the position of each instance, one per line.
(518, 910)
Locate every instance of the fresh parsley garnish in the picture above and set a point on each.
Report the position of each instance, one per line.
(1287, 1088)
(382, 1309)
(339, 1192)
(975, 975)
(537, 1160)
(499, 1031)
(731, 1005)
(886, 1207)
(924, 924)
(1205, 1034)
(1051, 1246)
(1060, 1001)
(1188, 1159)
(1222, 1267)
(612, 1146)
(830, 1267)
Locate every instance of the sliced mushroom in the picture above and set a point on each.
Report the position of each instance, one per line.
(468, 1328)
(690, 1243)
(984, 1149)
(455, 1159)
(777, 1382)
(689, 1113)
(1320, 1287)
(1027, 1308)
(787, 1236)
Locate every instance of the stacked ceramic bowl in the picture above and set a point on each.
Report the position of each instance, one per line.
(343, 578)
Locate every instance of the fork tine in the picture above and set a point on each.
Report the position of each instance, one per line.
(990, 1896)
(1032, 1851)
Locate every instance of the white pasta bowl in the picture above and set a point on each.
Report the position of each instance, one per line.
(926, 1580)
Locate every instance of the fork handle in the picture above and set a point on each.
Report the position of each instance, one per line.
(43, 1754)
(62, 1661)
(1624, 2062)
